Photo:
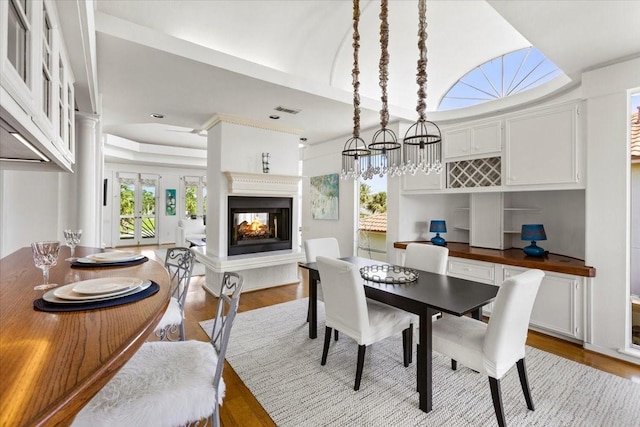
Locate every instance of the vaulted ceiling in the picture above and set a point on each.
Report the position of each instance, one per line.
(192, 60)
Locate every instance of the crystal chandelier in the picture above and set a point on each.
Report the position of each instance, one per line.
(422, 144)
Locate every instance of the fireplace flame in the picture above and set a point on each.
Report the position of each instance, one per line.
(254, 229)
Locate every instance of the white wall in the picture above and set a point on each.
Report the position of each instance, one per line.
(324, 159)
(607, 201)
(34, 207)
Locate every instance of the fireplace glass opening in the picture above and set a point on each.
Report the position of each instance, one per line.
(259, 224)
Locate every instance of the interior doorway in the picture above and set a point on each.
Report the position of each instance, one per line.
(138, 217)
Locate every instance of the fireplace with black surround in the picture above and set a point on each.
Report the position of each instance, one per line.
(259, 224)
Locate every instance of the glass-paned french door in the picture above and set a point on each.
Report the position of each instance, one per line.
(138, 219)
(195, 196)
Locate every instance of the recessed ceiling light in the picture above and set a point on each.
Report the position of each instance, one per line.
(274, 117)
(157, 115)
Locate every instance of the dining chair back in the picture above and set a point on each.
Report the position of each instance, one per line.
(426, 257)
(168, 384)
(349, 311)
(493, 348)
(228, 300)
(179, 263)
(323, 246)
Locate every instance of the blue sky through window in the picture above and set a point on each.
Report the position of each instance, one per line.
(500, 77)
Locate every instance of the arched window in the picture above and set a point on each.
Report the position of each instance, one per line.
(500, 77)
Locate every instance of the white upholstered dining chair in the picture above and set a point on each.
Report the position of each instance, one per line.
(492, 349)
(179, 262)
(349, 311)
(167, 384)
(324, 246)
(425, 257)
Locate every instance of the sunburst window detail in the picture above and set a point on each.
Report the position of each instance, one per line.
(501, 77)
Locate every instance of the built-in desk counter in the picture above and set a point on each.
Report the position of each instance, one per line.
(551, 262)
(561, 304)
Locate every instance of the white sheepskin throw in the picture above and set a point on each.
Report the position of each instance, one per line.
(163, 384)
(172, 316)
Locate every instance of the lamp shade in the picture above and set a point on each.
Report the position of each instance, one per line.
(438, 226)
(533, 232)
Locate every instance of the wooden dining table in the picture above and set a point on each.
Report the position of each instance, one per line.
(52, 364)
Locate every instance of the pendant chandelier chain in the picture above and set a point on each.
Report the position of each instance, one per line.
(421, 78)
(356, 71)
(384, 62)
(356, 154)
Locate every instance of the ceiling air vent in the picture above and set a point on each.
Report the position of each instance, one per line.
(287, 109)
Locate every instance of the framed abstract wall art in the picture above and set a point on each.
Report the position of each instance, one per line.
(324, 196)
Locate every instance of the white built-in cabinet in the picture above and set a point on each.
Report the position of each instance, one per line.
(478, 139)
(541, 147)
(560, 304)
(37, 92)
(534, 149)
(421, 181)
(559, 308)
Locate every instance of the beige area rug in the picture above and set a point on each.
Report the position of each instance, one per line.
(198, 268)
(270, 350)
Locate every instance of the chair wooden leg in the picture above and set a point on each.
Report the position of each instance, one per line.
(327, 341)
(454, 364)
(524, 382)
(361, 350)
(496, 395)
(418, 369)
(407, 345)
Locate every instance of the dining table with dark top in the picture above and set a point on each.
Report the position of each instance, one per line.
(53, 363)
(430, 294)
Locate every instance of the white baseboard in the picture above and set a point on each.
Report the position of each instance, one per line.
(630, 355)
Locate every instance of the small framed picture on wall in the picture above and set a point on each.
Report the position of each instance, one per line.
(170, 209)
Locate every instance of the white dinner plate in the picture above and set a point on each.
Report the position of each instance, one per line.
(91, 260)
(113, 256)
(105, 285)
(50, 296)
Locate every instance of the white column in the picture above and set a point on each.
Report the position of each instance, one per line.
(88, 179)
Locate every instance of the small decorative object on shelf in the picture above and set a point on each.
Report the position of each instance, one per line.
(389, 274)
(265, 162)
(438, 226)
(533, 233)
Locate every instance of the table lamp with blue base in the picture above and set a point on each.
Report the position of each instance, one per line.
(533, 233)
(438, 226)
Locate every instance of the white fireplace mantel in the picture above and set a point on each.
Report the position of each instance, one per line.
(262, 184)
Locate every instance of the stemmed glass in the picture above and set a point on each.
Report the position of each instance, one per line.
(72, 238)
(45, 256)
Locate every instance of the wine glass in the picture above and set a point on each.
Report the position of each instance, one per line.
(45, 256)
(72, 238)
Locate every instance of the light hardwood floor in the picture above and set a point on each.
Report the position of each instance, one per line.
(240, 407)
